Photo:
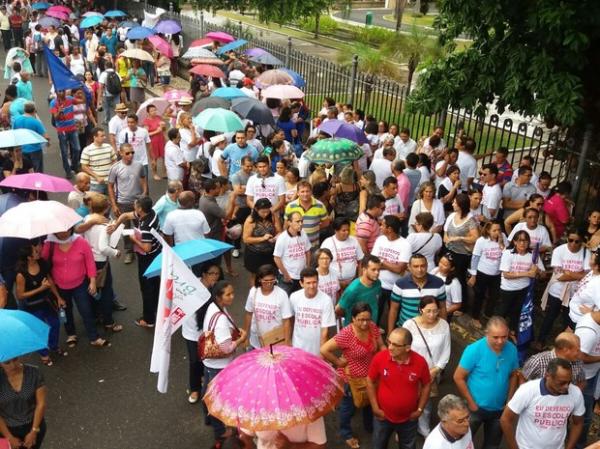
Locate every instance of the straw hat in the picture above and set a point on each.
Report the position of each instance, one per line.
(121, 107)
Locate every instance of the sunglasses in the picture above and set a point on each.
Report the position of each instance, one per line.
(129, 152)
(574, 241)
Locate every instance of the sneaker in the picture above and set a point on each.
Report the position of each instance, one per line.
(235, 253)
(128, 258)
(193, 397)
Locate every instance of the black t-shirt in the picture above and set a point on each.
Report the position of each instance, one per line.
(9, 164)
(33, 281)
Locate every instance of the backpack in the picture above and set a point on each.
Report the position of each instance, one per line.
(203, 165)
(113, 83)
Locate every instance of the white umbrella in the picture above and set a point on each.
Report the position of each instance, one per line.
(198, 52)
(37, 218)
(138, 53)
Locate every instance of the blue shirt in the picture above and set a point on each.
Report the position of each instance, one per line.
(25, 90)
(489, 373)
(234, 154)
(32, 123)
(163, 206)
(110, 42)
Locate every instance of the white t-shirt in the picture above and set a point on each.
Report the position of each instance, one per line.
(565, 260)
(404, 149)
(588, 332)
(382, 169)
(512, 261)
(586, 294)
(468, 168)
(453, 290)
(189, 328)
(490, 253)
(222, 329)
(189, 153)
(346, 255)
(116, 125)
(330, 284)
(310, 316)
(214, 165)
(439, 179)
(274, 186)
(425, 174)
(174, 157)
(138, 140)
(186, 224)
(292, 252)
(492, 197)
(268, 312)
(309, 433)
(426, 244)
(437, 440)
(393, 206)
(538, 235)
(544, 417)
(391, 251)
(437, 210)
(437, 338)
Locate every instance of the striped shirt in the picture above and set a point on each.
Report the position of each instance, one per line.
(367, 228)
(64, 114)
(313, 217)
(535, 367)
(99, 159)
(145, 225)
(408, 294)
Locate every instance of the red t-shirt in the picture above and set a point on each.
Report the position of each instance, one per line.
(399, 384)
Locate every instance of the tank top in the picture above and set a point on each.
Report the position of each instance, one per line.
(262, 228)
(77, 65)
(33, 281)
(346, 203)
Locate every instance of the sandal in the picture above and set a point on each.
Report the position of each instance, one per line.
(142, 323)
(352, 443)
(114, 327)
(47, 361)
(71, 341)
(100, 343)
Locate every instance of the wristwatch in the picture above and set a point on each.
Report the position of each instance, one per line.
(35, 429)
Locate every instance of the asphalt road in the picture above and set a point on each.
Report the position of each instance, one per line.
(107, 398)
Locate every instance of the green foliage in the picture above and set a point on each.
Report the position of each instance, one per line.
(370, 60)
(327, 25)
(536, 58)
(373, 35)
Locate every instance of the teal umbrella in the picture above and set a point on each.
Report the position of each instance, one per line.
(228, 93)
(334, 151)
(218, 119)
(91, 21)
(21, 333)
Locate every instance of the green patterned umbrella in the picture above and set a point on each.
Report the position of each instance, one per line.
(334, 151)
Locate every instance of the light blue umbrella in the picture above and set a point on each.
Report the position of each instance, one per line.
(128, 24)
(47, 22)
(115, 13)
(18, 137)
(91, 21)
(40, 6)
(191, 252)
(218, 119)
(298, 80)
(231, 46)
(21, 333)
(229, 93)
(140, 32)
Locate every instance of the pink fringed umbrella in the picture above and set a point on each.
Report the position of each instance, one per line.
(176, 95)
(264, 390)
(220, 36)
(160, 103)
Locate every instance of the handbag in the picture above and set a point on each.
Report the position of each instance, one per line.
(434, 392)
(358, 388)
(208, 348)
(101, 276)
(273, 337)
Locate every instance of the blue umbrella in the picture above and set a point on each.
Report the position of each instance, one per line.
(266, 59)
(140, 32)
(228, 93)
(48, 22)
(91, 21)
(231, 46)
(128, 24)
(18, 137)
(191, 252)
(298, 80)
(115, 13)
(40, 6)
(21, 333)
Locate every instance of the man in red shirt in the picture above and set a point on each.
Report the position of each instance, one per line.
(398, 385)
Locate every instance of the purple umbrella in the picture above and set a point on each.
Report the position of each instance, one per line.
(168, 27)
(255, 51)
(340, 129)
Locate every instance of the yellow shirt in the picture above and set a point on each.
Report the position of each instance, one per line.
(4, 23)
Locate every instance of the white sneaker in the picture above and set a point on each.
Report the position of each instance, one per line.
(235, 253)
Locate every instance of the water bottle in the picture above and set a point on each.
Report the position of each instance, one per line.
(98, 295)
(62, 316)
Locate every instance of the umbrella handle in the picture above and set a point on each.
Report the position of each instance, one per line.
(271, 348)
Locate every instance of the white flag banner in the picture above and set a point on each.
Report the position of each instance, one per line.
(150, 20)
(181, 294)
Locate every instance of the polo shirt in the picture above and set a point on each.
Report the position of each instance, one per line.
(99, 159)
(65, 115)
(486, 370)
(367, 228)
(234, 154)
(313, 217)
(535, 367)
(409, 295)
(359, 292)
(399, 384)
(32, 123)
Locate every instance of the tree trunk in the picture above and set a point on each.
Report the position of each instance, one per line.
(317, 21)
(411, 73)
(400, 5)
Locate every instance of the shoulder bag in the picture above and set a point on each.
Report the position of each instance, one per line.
(358, 388)
(208, 348)
(434, 382)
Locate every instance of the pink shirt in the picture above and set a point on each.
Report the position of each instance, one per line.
(556, 208)
(367, 228)
(70, 268)
(403, 189)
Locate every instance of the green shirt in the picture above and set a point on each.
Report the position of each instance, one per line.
(358, 292)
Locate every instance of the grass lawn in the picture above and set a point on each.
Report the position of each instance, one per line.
(409, 19)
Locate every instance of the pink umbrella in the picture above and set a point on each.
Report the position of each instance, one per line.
(176, 95)
(204, 42)
(220, 36)
(207, 70)
(38, 181)
(37, 218)
(282, 92)
(61, 15)
(161, 46)
(161, 105)
(272, 77)
(263, 390)
(62, 8)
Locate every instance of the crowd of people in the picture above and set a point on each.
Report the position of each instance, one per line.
(365, 264)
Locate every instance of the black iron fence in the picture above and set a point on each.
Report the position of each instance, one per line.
(385, 99)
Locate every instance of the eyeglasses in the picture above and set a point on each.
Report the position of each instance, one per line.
(129, 152)
(431, 311)
(396, 345)
(574, 241)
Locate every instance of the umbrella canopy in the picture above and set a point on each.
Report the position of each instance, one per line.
(282, 92)
(8, 201)
(207, 70)
(266, 59)
(38, 181)
(61, 15)
(210, 103)
(272, 77)
(115, 13)
(231, 46)
(176, 95)
(36, 218)
(191, 252)
(62, 8)
(47, 22)
(91, 21)
(228, 92)
(161, 45)
(138, 53)
(296, 77)
(212, 61)
(280, 388)
(339, 128)
(220, 36)
(199, 52)
(218, 119)
(140, 32)
(40, 6)
(128, 24)
(92, 13)
(201, 42)
(161, 106)
(334, 151)
(18, 137)
(252, 109)
(255, 51)
(21, 333)
(168, 26)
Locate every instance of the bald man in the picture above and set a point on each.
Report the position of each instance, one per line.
(185, 223)
(566, 346)
(82, 185)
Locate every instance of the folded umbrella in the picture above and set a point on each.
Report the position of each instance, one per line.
(210, 103)
(140, 32)
(115, 13)
(91, 21)
(296, 77)
(218, 119)
(199, 52)
(228, 92)
(48, 21)
(21, 333)
(161, 106)
(168, 26)
(36, 218)
(191, 252)
(138, 53)
(231, 46)
(252, 109)
(40, 6)
(18, 137)
(38, 181)
(220, 36)
(161, 45)
(207, 70)
(272, 77)
(282, 92)
(339, 128)
(266, 59)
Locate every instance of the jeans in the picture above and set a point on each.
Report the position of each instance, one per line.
(49, 316)
(289, 287)
(383, 430)
(196, 366)
(384, 299)
(22, 431)
(37, 160)
(485, 283)
(107, 295)
(346, 411)
(149, 288)
(100, 188)
(492, 432)
(588, 400)
(18, 36)
(109, 104)
(64, 141)
(6, 38)
(510, 305)
(554, 308)
(83, 301)
(41, 67)
(216, 424)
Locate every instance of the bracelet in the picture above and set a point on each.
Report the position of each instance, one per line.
(35, 429)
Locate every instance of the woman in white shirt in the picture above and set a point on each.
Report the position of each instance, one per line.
(345, 249)
(537, 232)
(446, 272)
(267, 307)
(423, 241)
(190, 139)
(329, 278)
(586, 298)
(430, 339)
(428, 203)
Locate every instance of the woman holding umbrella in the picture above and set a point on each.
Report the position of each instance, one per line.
(137, 78)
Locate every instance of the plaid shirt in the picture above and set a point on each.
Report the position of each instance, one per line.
(535, 367)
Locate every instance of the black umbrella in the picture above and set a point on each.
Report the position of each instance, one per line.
(252, 109)
(210, 103)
